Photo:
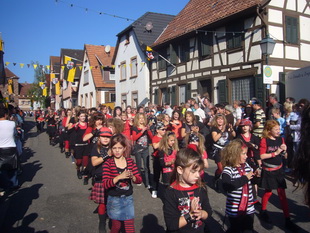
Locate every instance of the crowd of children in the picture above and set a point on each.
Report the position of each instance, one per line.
(249, 150)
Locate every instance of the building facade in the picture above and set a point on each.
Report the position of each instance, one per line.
(132, 73)
(97, 82)
(215, 48)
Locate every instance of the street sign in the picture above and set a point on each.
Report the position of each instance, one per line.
(267, 75)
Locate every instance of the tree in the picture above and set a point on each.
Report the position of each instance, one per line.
(35, 92)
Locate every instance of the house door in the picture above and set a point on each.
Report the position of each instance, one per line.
(205, 86)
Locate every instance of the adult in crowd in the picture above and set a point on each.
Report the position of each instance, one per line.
(273, 103)
(168, 110)
(237, 113)
(302, 162)
(200, 113)
(8, 152)
(221, 135)
(229, 110)
(259, 118)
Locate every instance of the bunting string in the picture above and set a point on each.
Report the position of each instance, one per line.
(47, 67)
(86, 9)
(62, 66)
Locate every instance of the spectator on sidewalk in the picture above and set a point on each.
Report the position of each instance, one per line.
(8, 152)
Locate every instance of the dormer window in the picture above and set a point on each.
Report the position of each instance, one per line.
(127, 41)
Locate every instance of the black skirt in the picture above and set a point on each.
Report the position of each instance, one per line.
(273, 179)
(51, 130)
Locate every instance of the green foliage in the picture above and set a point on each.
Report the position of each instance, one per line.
(35, 92)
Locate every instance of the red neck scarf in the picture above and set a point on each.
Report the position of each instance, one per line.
(245, 193)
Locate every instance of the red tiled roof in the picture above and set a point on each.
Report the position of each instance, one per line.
(199, 13)
(106, 59)
(24, 88)
(9, 74)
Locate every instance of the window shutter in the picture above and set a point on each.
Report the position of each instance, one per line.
(107, 97)
(282, 93)
(288, 29)
(156, 96)
(291, 29)
(173, 96)
(161, 62)
(260, 88)
(168, 95)
(173, 54)
(294, 35)
(222, 91)
(188, 91)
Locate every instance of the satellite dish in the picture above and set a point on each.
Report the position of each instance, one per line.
(107, 48)
(149, 26)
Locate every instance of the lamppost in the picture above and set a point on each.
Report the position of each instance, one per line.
(267, 46)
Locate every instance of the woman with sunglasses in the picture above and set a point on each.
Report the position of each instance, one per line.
(221, 135)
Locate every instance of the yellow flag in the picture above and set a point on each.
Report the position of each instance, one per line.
(148, 48)
(62, 67)
(44, 91)
(35, 66)
(71, 75)
(10, 86)
(1, 44)
(80, 67)
(90, 67)
(7, 63)
(57, 88)
(67, 59)
(48, 67)
(21, 65)
(41, 83)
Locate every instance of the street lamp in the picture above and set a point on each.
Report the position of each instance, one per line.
(267, 45)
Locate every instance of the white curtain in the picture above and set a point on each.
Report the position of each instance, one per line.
(243, 89)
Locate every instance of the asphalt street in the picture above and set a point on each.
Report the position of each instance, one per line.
(52, 200)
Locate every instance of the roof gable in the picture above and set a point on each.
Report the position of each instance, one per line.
(24, 89)
(144, 37)
(199, 13)
(9, 73)
(98, 57)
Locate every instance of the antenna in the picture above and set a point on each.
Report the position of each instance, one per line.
(149, 26)
(107, 48)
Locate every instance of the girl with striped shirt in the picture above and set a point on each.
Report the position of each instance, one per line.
(236, 178)
(119, 172)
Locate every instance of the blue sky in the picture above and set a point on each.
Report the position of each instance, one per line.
(34, 30)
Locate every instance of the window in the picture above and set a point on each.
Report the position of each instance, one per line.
(133, 67)
(112, 74)
(235, 35)
(134, 101)
(91, 97)
(161, 62)
(86, 77)
(123, 71)
(184, 52)
(242, 88)
(291, 26)
(205, 44)
(127, 41)
(124, 101)
(81, 102)
(112, 97)
(86, 100)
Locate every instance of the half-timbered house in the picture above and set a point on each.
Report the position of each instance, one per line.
(215, 47)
